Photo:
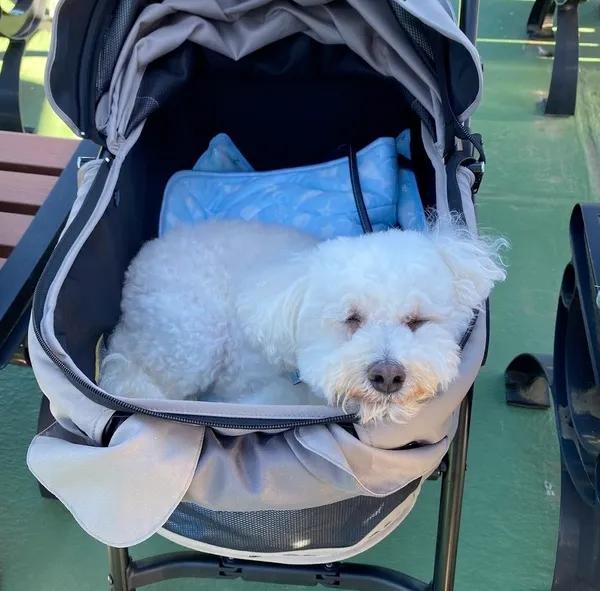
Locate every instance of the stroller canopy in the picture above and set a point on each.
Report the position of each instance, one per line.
(125, 58)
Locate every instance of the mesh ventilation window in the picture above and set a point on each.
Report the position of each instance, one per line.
(418, 34)
(163, 78)
(338, 525)
(426, 117)
(119, 27)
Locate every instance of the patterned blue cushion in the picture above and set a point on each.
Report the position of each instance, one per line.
(317, 199)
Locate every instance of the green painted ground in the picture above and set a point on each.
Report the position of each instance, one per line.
(538, 168)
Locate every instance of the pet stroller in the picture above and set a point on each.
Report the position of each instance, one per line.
(262, 493)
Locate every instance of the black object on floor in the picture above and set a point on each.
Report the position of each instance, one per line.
(528, 380)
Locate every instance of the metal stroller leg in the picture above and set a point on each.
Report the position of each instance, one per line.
(453, 485)
(469, 18)
(118, 564)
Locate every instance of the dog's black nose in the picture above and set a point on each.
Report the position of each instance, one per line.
(386, 377)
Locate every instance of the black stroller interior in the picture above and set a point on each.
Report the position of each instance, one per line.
(291, 104)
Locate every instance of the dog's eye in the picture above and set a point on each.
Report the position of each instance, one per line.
(415, 323)
(354, 320)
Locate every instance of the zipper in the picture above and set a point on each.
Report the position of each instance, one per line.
(96, 394)
(55, 260)
(99, 396)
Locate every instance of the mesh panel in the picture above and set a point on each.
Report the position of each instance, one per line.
(143, 107)
(121, 22)
(338, 525)
(426, 117)
(163, 78)
(417, 32)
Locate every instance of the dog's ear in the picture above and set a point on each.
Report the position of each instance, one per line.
(475, 261)
(268, 306)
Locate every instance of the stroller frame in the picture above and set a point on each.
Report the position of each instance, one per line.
(126, 574)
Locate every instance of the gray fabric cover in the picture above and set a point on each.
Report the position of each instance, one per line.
(123, 493)
(237, 28)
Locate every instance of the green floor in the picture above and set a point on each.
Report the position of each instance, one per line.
(537, 169)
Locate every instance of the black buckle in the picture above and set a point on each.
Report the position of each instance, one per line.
(229, 569)
(84, 160)
(331, 576)
(477, 167)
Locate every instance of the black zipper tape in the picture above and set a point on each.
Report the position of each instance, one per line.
(96, 394)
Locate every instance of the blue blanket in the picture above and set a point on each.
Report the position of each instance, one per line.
(317, 199)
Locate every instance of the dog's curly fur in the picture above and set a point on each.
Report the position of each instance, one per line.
(221, 310)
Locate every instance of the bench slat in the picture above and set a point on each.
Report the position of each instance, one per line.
(12, 227)
(22, 192)
(24, 152)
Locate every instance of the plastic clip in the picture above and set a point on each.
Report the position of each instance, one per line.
(81, 160)
(331, 576)
(478, 169)
(229, 569)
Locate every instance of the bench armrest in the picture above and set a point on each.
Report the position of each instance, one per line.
(18, 26)
(22, 269)
(23, 20)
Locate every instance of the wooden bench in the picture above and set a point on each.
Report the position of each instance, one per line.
(29, 168)
(38, 185)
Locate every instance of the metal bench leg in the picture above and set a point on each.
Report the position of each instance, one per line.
(10, 109)
(453, 485)
(562, 95)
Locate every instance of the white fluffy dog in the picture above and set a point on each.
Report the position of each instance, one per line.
(223, 309)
